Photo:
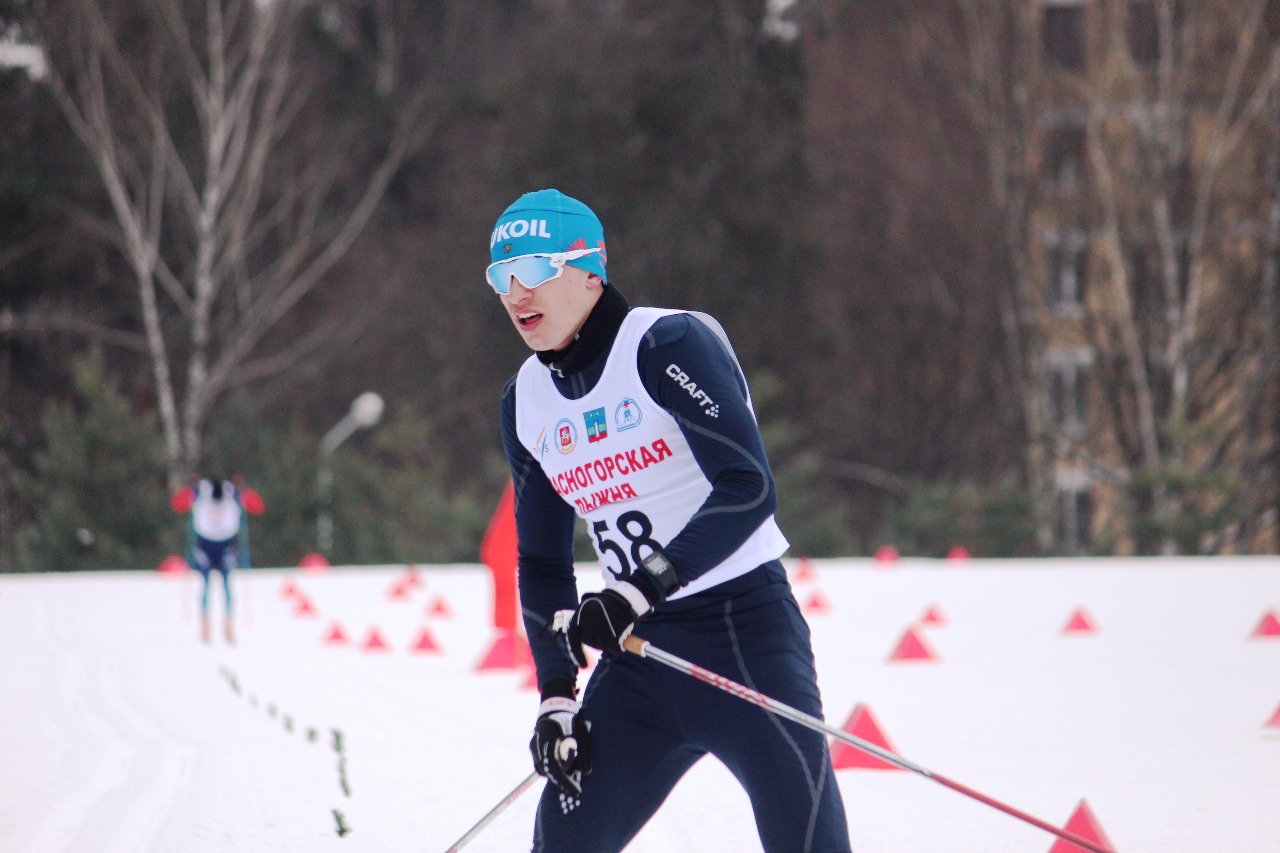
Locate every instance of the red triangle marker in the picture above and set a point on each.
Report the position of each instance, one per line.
(912, 647)
(425, 642)
(933, 616)
(1084, 826)
(412, 577)
(804, 571)
(1269, 626)
(1079, 623)
(886, 554)
(336, 636)
(173, 564)
(399, 591)
(817, 603)
(289, 590)
(1274, 722)
(305, 607)
(440, 607)
(509, 651)
(861, 724)
(531, 683)
(375, 642)
(314, 562)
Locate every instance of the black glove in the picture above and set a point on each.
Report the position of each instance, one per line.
(605, 618)
(561, 744)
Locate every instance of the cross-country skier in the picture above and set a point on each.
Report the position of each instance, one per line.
(639, 420)
(217, 537)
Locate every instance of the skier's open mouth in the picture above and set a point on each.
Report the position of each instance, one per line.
(527, 318)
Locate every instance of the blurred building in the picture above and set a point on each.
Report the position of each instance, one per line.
(1079, 199)
(1152, 235)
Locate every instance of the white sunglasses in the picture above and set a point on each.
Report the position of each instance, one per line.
(531, 270)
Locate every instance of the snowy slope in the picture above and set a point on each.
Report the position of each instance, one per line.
(119, 731)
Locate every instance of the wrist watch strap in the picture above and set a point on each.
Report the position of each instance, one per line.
(661, 570)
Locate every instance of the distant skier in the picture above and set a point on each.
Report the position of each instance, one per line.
(217, 537)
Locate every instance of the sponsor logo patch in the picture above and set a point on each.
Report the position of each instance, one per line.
(627, 415)
(566, 436)
(597, 426)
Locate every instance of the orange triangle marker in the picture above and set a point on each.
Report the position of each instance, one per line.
(425, 642)
(912, 647)
(1084, 826)
(933, 616)
(440, 607)
(336, 636)
(861, 724)
(305, 607)
(804, 571)
(1079, 623)
(1269, 626)
(375, 642)
(509, 651)
(817, 603)
(1274, 722)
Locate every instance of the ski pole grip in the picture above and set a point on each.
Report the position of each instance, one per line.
(635, 645)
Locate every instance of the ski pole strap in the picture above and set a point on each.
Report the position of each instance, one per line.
(643, 648)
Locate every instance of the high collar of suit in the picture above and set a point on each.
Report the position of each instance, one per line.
(596, 335)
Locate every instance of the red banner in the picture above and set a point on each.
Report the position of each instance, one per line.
(498, 551)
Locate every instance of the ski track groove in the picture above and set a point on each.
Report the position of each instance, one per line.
(122, 805)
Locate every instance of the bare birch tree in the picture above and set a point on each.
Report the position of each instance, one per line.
(1262, 405)
(233, 190)
(983, 51)
(997, 40)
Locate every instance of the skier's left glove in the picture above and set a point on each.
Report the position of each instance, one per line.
(605, 618)
(561, 744)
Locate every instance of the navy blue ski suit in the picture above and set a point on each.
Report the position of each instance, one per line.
(650, 723)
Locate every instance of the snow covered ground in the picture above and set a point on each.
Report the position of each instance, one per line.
(120, 731)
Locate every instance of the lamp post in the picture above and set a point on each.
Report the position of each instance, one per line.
(366, 411)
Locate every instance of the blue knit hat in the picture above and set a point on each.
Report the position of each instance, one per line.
(549, 221)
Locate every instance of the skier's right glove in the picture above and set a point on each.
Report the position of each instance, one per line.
(561, 743)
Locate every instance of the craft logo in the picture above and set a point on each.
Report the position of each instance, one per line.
(627, 415)
(709, 407)
(597, 427)
(566, 436)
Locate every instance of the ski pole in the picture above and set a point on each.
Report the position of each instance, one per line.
(247, 586)
(644, 649)
(186, 596)
(493, 813)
